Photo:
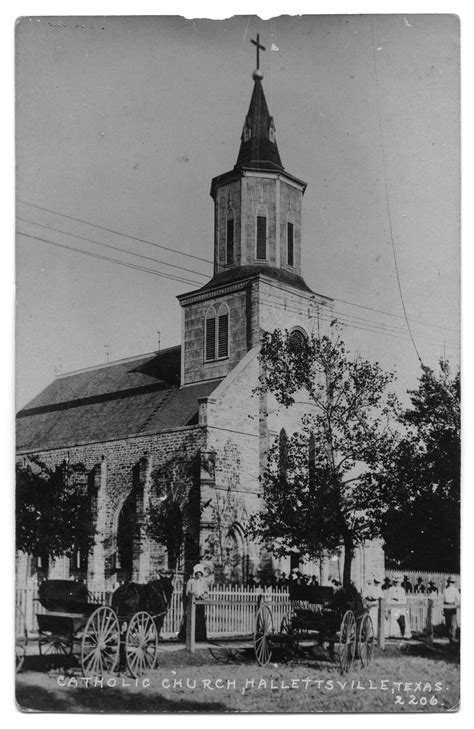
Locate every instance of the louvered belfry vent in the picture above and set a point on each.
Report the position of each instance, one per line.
(261, 237)
(210, 338)
(230, 240)
(223, 336)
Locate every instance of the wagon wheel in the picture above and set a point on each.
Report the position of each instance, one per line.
(288, 636)
(21, 639)
(53, 644)
(365, 640)
(100, 645)
(261, 635)
(141, 644)
(347, 641)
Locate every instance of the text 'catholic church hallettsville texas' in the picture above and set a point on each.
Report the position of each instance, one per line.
(184, 423)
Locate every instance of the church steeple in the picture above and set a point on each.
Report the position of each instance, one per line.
(257, 283)
(258, 203)
(258, 147)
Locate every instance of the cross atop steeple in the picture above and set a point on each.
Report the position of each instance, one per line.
(259, 46)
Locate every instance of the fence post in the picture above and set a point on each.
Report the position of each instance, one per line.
(381, 624)
(429, 620)
(191, 624)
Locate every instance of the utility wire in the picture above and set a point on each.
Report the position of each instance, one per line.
(111, 260)
(397, 316)
(115, 248)
(388, 199)
(306, 311)
(115, 232)
(427, 339)
(174, 250)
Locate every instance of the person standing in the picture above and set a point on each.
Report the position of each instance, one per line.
(419, 587)
(372, 594)
(451, 603)
(197, 585)
(398, 611)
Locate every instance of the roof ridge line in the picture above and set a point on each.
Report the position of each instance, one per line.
(91, 368)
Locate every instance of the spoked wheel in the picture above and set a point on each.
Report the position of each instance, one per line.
(347, 641)
(100, 645)
(141, 644)
(288, 636)
(52, 644)
(21, 639)
(366, 640)
(262, 635)
(223, 654)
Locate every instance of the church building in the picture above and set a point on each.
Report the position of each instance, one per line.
(183, 426)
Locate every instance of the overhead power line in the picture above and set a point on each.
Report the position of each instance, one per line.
(388, 199)
(116, 232)
(397, 316)
(112, 260)
(174, 250)
(372, 327)
(115, 248)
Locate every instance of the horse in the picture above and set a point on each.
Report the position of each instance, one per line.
(154, 597)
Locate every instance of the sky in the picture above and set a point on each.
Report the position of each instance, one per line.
(121, 123)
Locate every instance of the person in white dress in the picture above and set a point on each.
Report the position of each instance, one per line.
(398, 621)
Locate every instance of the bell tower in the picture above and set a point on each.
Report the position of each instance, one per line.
(257, 254)
(257, 203)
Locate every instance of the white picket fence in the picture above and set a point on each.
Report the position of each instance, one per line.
(234, 616)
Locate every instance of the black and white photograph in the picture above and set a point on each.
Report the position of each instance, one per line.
(238, 351)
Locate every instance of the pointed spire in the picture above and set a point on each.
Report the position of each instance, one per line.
(258, 147)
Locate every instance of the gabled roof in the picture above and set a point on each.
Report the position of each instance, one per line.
(258, 148)
(131, 397)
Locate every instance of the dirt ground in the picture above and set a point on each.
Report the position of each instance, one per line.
(406, 677)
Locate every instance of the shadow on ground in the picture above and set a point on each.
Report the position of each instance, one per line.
(35, 698)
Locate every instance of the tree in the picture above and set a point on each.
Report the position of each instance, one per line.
(319, 485)
(422, 477)
(172, 518)
(53, 509)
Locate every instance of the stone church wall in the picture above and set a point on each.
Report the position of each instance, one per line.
(116, 467)
(195, 368)
(232, 417)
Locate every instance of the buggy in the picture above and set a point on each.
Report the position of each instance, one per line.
(318, 614)
(104, 637)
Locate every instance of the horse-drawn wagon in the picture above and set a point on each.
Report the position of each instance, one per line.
(318, 615)
(104, 637)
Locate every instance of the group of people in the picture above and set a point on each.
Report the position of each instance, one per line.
(280, 579)
(397, 622)
(418, 589)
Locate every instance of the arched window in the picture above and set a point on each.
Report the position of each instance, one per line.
(235, 554)
(126, 525)
(290, 241)
(210, 331)
(230, 231)
(297, 340)
(261, 247)
(216, 333)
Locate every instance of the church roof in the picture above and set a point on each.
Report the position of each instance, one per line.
(131, 397)
(258, 148)
(241, 272)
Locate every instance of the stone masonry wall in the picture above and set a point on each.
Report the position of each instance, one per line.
(232, 418)
(290, 204)
(121, 463)
(228, 196)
